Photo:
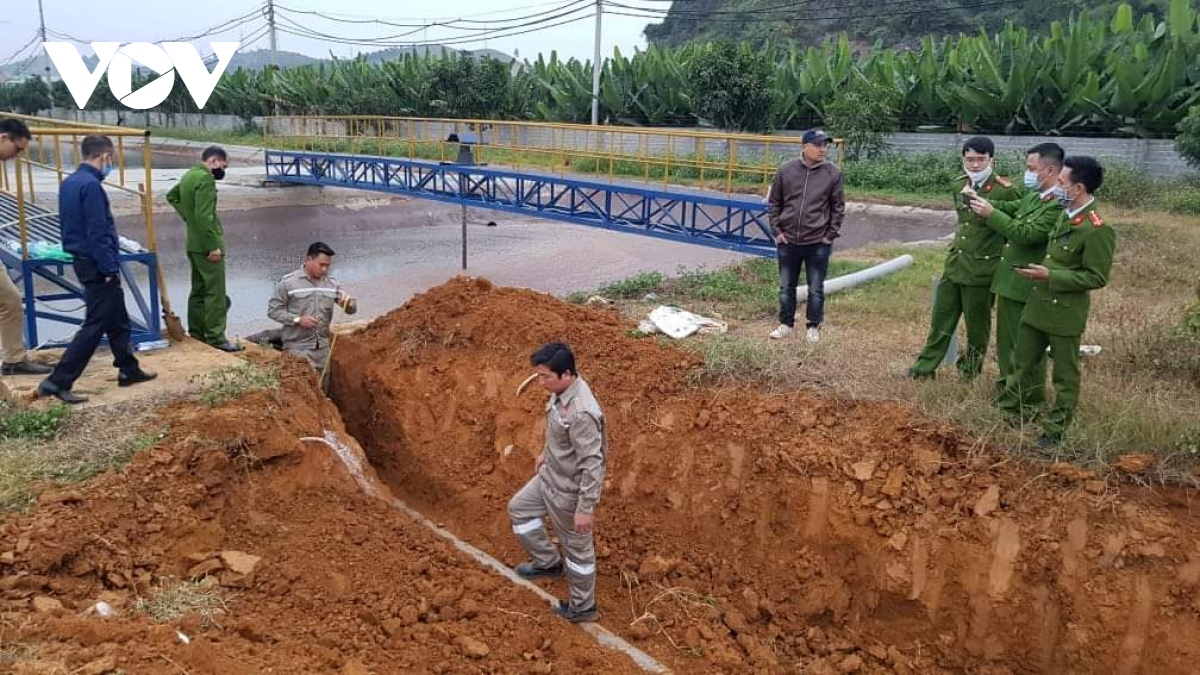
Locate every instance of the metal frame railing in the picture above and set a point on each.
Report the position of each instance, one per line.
(46, 152)
(711, 159)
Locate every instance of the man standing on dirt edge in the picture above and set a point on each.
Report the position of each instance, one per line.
(14, 139)
(1079, 258)
(90, 234)
(965, 287)
(806, 206)
(194, 198)
(569, 476)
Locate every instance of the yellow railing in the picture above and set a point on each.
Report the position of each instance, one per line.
(733, 162)
(55, 148)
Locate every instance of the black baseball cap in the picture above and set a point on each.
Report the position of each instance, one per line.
(817, 137)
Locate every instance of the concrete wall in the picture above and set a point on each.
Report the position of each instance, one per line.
(1155, 157)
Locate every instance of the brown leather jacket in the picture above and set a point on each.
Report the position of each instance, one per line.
(807, 204)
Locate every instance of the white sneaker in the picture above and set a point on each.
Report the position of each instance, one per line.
(782, 332)
(812, 335)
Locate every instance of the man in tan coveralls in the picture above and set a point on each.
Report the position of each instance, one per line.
(567, 485)
(303, 302)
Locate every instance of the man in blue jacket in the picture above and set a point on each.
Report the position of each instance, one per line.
(90, 235)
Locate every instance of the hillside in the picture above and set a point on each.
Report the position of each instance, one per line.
(894, 22)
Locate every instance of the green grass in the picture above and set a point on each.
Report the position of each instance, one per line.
(215, 136)
(233, 382)
(88, 442)
(1140, 394)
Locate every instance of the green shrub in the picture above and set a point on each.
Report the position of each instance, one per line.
(31, 424)
(1187, 143)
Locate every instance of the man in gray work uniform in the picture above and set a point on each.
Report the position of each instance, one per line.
(303, 302)
(569, 476)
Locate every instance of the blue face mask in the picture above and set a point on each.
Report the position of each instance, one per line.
(1031, 179)
(106, 171)
(1060, 193)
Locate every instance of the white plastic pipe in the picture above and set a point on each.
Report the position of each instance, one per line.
(856, 278)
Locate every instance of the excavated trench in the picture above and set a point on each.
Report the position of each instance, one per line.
(746, 532)
(739, 532)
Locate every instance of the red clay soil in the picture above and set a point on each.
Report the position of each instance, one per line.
(339, 581)
(746, 532)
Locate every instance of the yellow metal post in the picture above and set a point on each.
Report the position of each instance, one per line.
(730, 150)
(121, 160)
(21, 209)
(58, 167)
(32, 186)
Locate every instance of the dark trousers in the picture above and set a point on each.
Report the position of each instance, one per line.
(105, 317)
(815, 260)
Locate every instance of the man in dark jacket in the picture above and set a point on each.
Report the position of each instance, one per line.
(806, 209)
(90, 235)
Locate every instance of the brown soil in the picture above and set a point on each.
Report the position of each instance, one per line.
(739, 531)
(746, 532)
(344, 583)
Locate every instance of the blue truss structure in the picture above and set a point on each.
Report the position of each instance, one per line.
(60, 285)
(719, 222)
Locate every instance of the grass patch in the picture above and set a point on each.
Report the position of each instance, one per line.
(171, 600)
(90, 441)
(1139, 395)
(733, 360)
(218, 136)
(30, 423)
(230, 383)
(634, 287)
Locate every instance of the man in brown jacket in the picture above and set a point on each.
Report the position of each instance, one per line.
(568, 480)
(806, 207)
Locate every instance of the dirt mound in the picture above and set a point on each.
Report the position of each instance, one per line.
(311, 573)
(748, 532)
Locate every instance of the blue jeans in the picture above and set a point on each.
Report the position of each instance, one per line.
(815, 260)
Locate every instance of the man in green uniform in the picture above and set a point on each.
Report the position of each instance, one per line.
(195, 200)
(965, 287)
(1025, 224)
(1079, 257)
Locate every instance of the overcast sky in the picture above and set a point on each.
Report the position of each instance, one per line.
(140, 21)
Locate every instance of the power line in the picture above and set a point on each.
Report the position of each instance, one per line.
(506, 31)
(645, 13)
(436, 43)
(418, 21)
(449, 23)
(223, 27)
(15, 55)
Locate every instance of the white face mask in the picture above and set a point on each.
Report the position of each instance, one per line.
(1031, 179)
(978, 177)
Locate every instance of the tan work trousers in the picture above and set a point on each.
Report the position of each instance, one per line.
(12, 329)
(526, 510)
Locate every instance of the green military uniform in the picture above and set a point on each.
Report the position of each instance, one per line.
(1079, 256)
(195, 200)
(1026, 224)
(965, 287)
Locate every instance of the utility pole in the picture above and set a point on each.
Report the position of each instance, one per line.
(46, 56)
(274, 54)
(596, 67)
